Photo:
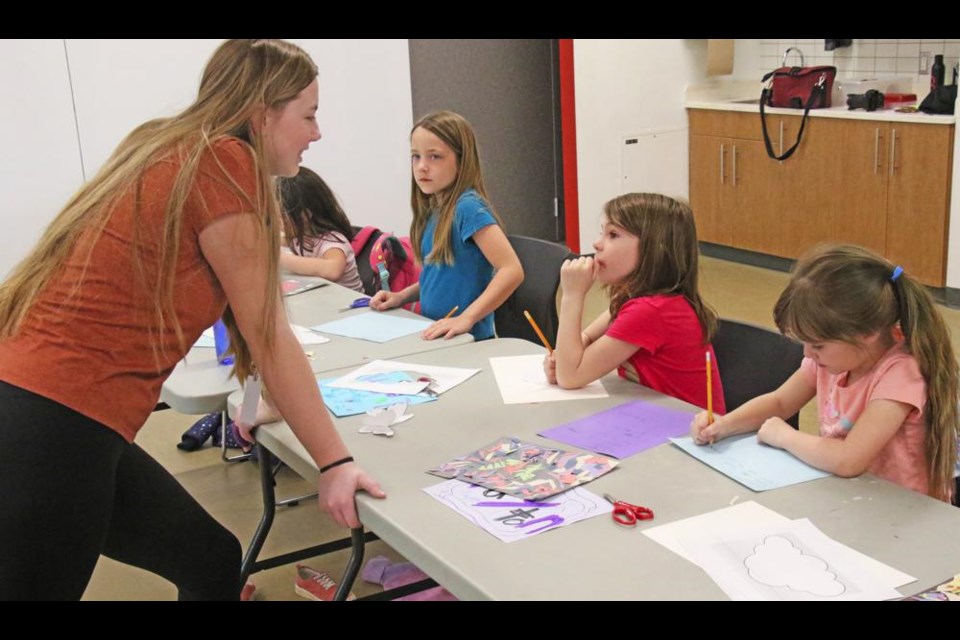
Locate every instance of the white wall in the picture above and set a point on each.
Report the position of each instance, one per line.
(365, 116)
(40, 165)
(624, 87)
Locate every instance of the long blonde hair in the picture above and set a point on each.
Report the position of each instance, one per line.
(241, 79)
(669, 253)
(846, 292)
(454, 130)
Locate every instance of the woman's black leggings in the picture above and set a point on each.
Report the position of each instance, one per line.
(72, 489)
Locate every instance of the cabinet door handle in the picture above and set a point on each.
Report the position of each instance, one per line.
(733, 155)
(876, 151)
(722, 150)
(893, 150)
(781, 138)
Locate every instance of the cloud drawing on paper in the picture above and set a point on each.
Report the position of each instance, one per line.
(777, 562)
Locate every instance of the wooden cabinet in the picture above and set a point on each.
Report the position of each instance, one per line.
(883, 185)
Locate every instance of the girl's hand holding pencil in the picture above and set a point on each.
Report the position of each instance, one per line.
(707, 430)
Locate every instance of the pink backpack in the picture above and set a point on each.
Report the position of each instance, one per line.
(385, 261)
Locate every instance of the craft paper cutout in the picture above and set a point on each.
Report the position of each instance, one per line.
(351, 402)
(525, 470)
(510, 519)
(403, 378)
(380, 421)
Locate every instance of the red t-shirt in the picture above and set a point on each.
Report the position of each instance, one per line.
(88, 347)
(670, 358)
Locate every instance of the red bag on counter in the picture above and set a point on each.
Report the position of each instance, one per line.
(795, 88)
(799, 87)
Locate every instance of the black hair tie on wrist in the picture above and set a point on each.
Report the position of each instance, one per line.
(339, 462)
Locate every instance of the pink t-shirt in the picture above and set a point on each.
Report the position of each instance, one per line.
(671, 354)
(336, 240)
(896, 376)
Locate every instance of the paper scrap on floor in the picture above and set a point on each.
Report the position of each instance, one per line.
(388, 376)
(522, 381)
(525, 470)
(730, 521)
(751, 463)
(511, 519)
(791, 561)
(624, 430)
(374, 326)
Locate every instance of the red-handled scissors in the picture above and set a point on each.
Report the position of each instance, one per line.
(627, 514)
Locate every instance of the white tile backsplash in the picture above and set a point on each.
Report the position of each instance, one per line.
(864, 58)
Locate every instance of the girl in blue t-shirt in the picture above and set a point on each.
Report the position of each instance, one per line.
(469, 267)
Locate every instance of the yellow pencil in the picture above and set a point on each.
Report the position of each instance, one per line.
(709, 391)
(452, 311)
(533, 324)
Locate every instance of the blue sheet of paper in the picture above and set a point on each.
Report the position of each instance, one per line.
(757, 466)
(351, 402)
(374, 326)
(624, 430)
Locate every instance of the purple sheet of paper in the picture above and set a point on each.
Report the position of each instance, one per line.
(623, 430)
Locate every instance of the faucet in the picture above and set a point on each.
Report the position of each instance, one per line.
(783, 62)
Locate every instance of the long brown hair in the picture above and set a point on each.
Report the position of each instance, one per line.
(310, 210)
(454, 130)
(242, 78)
(846, 292)
(669, 253)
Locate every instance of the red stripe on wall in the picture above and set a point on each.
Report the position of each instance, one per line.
(568, 137)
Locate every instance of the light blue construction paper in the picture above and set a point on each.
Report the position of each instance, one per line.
(373, 326)
(350, 402)
(205, 339)
(755, 465)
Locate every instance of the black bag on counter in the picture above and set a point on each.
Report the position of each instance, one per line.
(941, 101)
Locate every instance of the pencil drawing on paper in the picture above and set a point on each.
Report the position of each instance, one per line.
(779, 563)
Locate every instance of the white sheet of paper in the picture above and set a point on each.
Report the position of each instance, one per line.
(522, 381)
(731, 520)
(791, 561)
(365, 378)
(306, 336)
(511, 519)
(206, 339)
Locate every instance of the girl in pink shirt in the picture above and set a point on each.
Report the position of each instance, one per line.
(657, 330)
(318, 231)
(879, 361)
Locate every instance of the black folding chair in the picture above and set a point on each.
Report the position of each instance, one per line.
(753, 361)
(537, 293)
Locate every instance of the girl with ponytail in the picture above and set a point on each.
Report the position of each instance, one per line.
(879, 360)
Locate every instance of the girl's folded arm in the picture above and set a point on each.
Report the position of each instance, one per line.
(852, 455)
(331, 266)
(595, 361)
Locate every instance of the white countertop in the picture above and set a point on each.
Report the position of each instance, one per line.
(728, 96)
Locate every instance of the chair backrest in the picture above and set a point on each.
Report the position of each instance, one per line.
(753, 361)
(537, 293)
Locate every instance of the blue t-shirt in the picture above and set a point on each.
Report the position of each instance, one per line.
(442, 286)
